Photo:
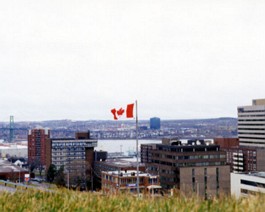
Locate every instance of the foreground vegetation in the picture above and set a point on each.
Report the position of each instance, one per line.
(64, 200)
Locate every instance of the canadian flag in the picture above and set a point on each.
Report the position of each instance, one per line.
(118, 113)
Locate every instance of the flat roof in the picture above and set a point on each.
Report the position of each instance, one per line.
(130, 173)
(254, 174)
(258, 174)
(6, 166)
(14, 147)
(121, 163)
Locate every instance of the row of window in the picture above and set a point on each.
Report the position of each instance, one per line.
(190, 149)
(255, 138)
(70, 148)
(67, 158)
(252, 115)
(251, 133)
(248, 120)
(189, 157)
(245, 191)
(75, 143)
(123, 181)
(68, 153)
(252, 183)
(190, 164)
(242, 110)
(250, 129)
(168, 179)
(168, 172)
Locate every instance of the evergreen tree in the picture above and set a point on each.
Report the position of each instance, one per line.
(59, 178)
(51, 173)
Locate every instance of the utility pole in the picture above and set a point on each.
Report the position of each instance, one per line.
(137, 152)
(91, 179)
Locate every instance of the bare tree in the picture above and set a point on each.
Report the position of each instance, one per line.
(79, 173)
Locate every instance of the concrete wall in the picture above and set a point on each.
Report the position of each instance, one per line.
(260, 159)
(199, 187)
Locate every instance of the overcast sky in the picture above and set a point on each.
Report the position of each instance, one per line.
(180, 59)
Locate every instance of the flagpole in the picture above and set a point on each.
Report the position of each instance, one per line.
(137, 152)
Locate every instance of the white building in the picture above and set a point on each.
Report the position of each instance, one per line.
(247, 184)
(13, 150)
(251, 124)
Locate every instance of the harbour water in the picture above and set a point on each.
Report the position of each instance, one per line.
(124, 146)
(128, 146)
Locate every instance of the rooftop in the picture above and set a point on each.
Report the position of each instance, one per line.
(72, 140)
(13, 146)
(130, 173)
(122, 163)
(6, 166)
(258, 174)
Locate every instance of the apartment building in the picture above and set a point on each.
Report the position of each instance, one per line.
(37, 142)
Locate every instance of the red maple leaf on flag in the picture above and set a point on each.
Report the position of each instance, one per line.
(120, 112)
(113, 111)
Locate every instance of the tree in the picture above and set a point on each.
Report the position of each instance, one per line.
(80, 173)
(32, 166)
(59, 178)
(51, 173)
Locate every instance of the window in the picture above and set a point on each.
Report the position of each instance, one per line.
(205, 182)
(193, 180)
(217, 181)
(251, 183)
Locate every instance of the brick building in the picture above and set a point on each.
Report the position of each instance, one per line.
(242, 158)
(37, 141)
(196, 167)
(11, 172)
(116, 165)
(119, 181)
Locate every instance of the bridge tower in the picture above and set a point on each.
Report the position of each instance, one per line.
(11, 129)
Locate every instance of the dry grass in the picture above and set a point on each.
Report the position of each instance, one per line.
(64, 200)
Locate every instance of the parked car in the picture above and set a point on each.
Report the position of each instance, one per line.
(39, 180)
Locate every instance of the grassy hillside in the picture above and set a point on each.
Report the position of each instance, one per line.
(64, 200)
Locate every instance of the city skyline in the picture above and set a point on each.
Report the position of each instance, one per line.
(179, 60)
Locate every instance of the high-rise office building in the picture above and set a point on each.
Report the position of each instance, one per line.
(155, 123)
(37, 141)
(251, 124)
